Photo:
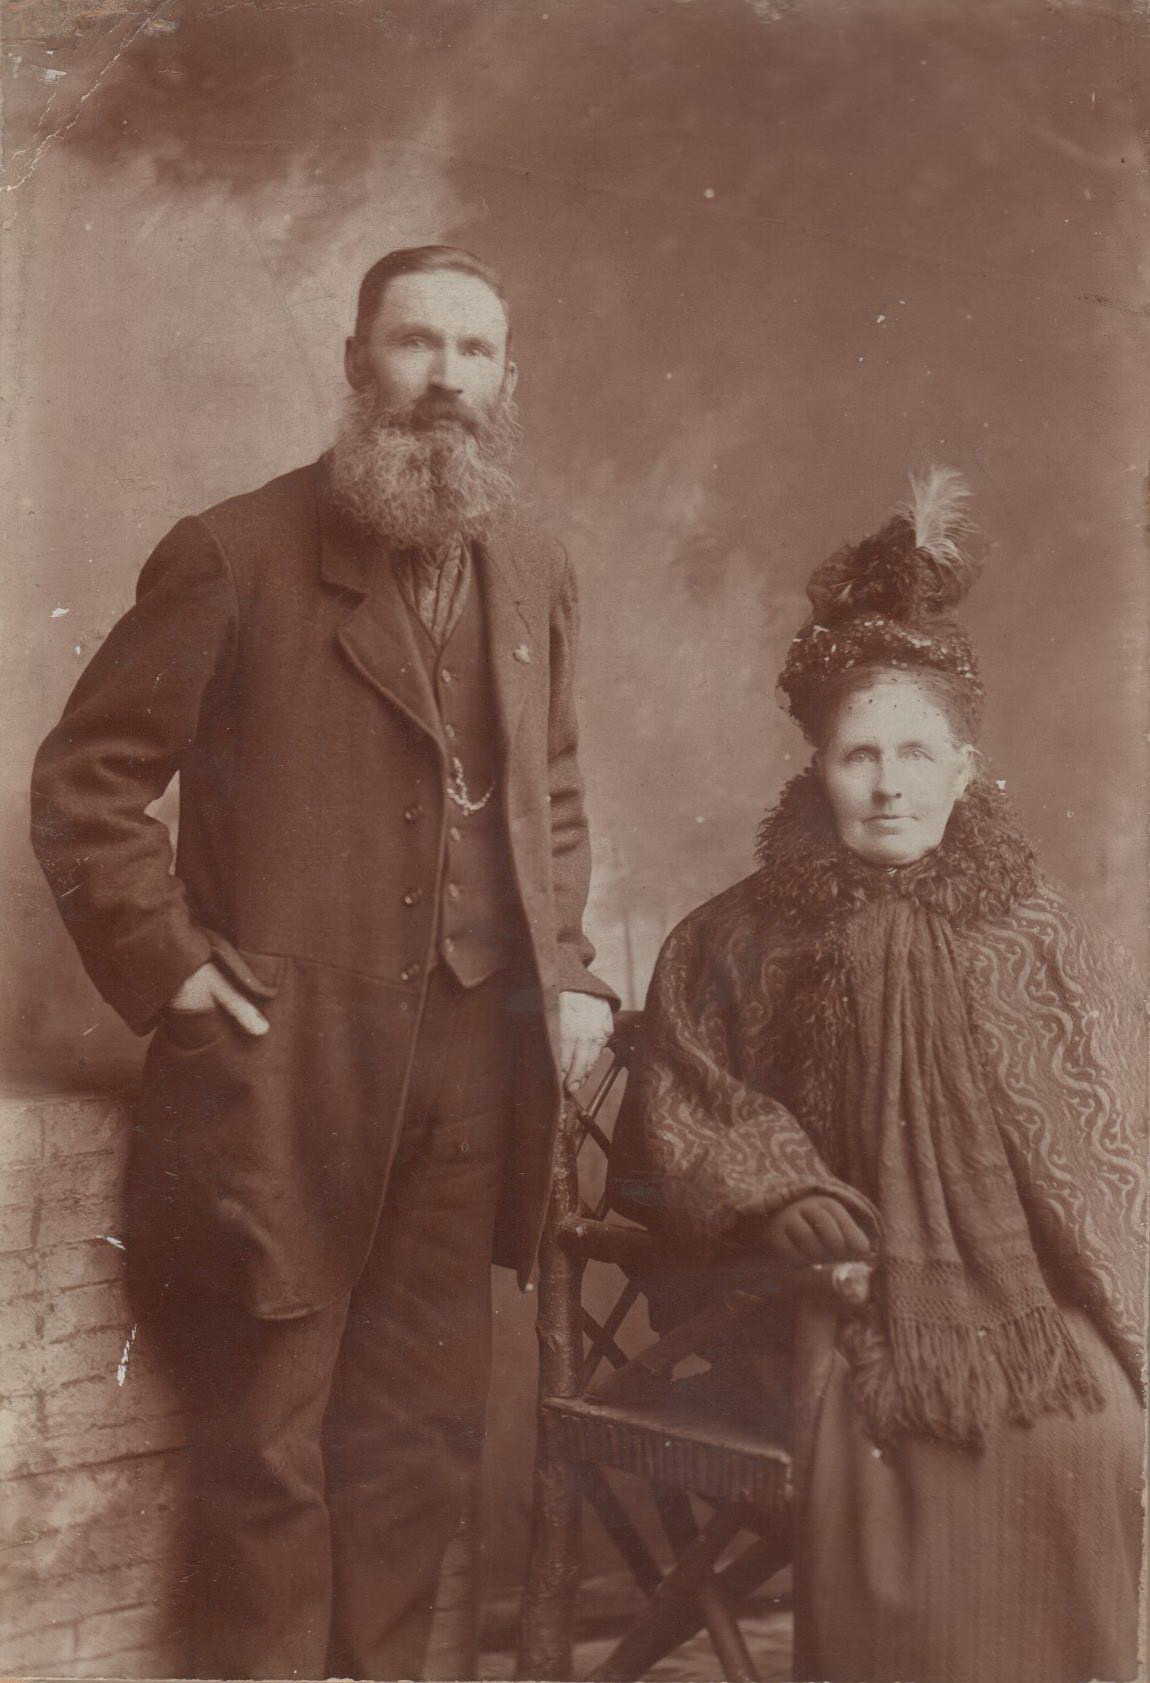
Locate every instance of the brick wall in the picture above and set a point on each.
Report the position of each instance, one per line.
(91, 1466)
(91, 1473)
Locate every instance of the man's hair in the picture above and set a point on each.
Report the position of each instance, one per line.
(417, 260)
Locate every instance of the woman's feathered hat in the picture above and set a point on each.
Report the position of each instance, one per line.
(885, 602)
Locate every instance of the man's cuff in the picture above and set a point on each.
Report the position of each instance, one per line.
(144, 973)
(576, 978)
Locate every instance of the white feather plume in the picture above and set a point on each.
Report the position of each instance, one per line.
(936, 509)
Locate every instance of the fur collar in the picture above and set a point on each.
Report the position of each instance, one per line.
(982, 867)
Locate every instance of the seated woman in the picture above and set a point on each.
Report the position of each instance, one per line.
(895, 1041)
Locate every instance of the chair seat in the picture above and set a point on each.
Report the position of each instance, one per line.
(667, 1444)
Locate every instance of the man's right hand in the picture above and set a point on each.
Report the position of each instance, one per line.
(817, 1229)
(207, 988)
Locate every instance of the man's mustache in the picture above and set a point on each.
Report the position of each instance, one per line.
(432, 411)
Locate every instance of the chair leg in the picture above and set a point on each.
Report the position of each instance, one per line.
(553, 1571)
(677, 1515)
(673, 1619)
(617, 1523)
(723, 1629)
(738, 1581)
(630, 1658)
(682, 1530)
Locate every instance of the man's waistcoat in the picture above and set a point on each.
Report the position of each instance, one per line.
(479, 923)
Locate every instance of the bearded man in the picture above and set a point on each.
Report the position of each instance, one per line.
(365, 968)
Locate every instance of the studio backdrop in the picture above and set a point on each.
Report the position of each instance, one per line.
(763, 257)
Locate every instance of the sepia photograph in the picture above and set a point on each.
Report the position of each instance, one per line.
(573, 1070)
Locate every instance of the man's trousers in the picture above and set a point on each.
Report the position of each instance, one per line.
(332, 1455)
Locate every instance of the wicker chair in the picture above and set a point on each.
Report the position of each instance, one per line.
(635, 1424)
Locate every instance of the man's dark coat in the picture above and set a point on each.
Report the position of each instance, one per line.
(272, 662)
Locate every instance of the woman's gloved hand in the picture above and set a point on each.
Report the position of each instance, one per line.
(817, 1229)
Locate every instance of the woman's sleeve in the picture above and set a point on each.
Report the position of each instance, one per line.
(698, 1148)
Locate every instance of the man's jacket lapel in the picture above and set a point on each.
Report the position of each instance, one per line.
(378, 636)
(517, 624)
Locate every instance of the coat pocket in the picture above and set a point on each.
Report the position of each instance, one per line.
(257, 974)
(192, 1031)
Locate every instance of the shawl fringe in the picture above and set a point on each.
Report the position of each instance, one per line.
(952, 1381)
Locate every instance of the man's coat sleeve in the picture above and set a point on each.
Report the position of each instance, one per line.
(570, 847)
(126, 727)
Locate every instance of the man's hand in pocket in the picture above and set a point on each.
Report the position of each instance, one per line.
(207, 988)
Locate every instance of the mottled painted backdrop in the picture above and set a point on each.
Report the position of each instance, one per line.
(762, 255)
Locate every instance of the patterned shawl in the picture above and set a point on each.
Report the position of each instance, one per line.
(943, 1047)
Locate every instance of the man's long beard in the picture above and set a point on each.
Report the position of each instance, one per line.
(419, 477)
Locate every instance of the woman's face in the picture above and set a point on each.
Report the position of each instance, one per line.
(892, 771)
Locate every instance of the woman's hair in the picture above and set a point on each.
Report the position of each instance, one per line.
(882, 606)
(948, 695)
